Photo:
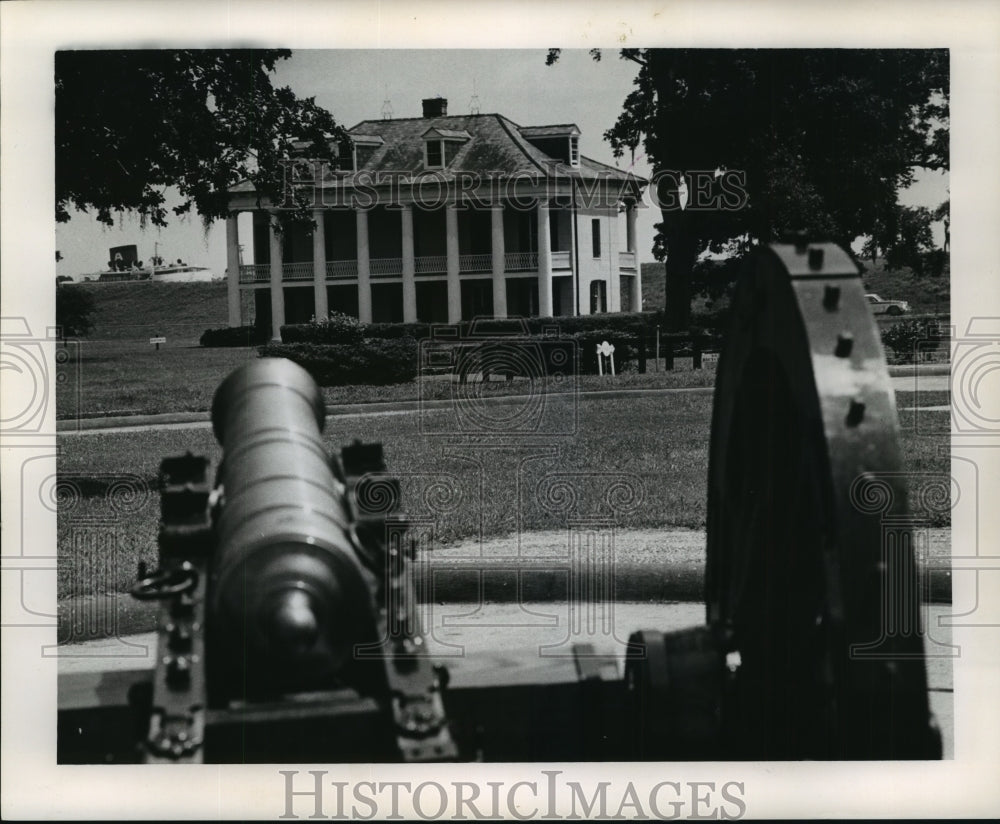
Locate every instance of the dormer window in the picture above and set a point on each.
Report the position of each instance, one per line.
(344, 161)
(560, 142)
(441, 146)
(365, 146)
(434, 154)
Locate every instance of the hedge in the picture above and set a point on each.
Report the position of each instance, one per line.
(344, 329)
(233, 336)
(369, 361)
(902, 338)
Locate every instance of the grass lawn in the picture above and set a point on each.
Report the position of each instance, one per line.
(132, 377)
(657, 446)
(123, 377)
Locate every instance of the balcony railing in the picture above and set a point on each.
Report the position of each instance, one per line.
(255, 272)
(297, 271)
(626, 260)
(431, 264)
(385, 267)
(341, 269)
(520, 261)
(261, 272)
(475, 263)
(424, 265)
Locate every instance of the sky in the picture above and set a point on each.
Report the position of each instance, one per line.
(354, 84)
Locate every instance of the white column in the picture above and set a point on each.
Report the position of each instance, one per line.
(499, 279)
(637, 287)
(574, 261)
(364, 269)
(544, 261)
(454, 283)
(614, 278)
(409, 267)
(319, 265)
(233, 268)
(277, 291)
(630, 216)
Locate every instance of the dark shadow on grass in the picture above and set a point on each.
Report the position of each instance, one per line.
(105, 487)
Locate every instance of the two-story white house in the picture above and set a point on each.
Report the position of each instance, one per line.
(439, 219)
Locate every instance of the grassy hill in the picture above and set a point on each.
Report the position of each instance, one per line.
(178, 311)
(925, 294)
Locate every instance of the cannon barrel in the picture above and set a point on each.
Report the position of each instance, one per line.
(289, 594)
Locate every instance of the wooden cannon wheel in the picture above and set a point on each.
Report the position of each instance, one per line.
(810, 576)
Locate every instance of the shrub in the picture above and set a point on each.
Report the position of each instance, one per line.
(335, 329)
(398, 330)
(902, 338)
(233, 336)
(370, 361)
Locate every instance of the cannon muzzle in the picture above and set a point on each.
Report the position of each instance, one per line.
(290, 595)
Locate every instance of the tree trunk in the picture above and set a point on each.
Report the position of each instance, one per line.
(682, 252)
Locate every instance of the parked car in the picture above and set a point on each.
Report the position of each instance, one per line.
(881, 306)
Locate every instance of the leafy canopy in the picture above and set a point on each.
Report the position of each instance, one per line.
(823, 139)
(131, 123)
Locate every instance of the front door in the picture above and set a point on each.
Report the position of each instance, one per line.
(598, 297)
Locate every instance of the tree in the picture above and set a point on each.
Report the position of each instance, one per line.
(74, 306)
(131, 123)
(819, 140)
(943, 213)
(906, 239)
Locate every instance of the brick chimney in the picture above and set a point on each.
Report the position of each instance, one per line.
(435, 106)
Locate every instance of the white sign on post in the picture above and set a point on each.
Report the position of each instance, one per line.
(605, 350)
(157, 341)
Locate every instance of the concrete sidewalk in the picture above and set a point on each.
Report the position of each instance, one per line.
(479, 646)
(646, 566)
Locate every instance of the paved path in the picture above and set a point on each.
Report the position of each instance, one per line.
(649, 566)
(921, 383)
(200, 420)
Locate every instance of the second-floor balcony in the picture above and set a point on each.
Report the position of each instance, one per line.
(255, 272)
(388, 268)
(385, 267)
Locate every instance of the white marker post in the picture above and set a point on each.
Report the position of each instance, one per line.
(157, 341)
(605, 350)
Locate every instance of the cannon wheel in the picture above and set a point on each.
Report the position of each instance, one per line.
(803, 578)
